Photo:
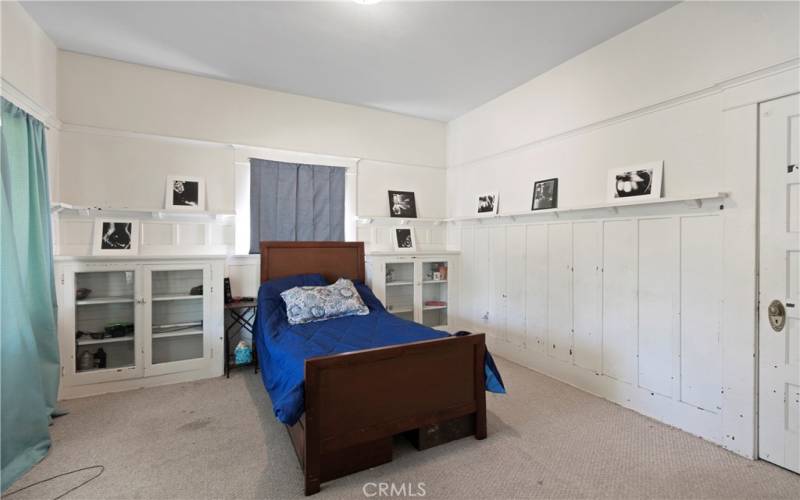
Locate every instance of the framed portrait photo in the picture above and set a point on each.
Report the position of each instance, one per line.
(402, 204)
(545, 194)
(115, 237)
(635, 183)
(487, 204)
(185, 193)
(403, 238)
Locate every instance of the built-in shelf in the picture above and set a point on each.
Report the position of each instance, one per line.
(433, 308)
(154, 213)
(175, 296)
(103, 300)
(107, 368)
(90, 341)
(179, 333)
(433, 282)
(401, 310)
(695, 201)
(399, 283)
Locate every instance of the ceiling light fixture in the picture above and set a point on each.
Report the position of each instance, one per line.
(366, 2)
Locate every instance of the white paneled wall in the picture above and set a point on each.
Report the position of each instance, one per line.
(700, 309)
(378, 235)
(625, 307)
(587, 304)
(156, 237)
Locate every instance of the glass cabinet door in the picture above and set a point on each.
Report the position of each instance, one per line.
(400, 289)
(434, 293)
(176, 315)
(105, 319)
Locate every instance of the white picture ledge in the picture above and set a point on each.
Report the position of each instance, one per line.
(694, 201)
(139, 213)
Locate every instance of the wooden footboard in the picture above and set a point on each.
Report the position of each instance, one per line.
(356, 402)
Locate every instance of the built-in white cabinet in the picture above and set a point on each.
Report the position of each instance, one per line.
(418, 287)
(127, 323)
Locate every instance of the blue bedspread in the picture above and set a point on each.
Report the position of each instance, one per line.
(282, 348)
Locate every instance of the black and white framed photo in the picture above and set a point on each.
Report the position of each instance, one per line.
(403, 238)
(402, 204)
(186, 193)
(487, 204)
(545, 194)
(115, 237)
(635, 183)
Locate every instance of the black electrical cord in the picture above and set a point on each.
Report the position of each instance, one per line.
(102, 469)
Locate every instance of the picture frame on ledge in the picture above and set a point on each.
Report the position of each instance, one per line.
(635, 183)
(403, 239)
(488, 204)
(185, 193)
(116, 237)
(545, 194)
(402, 204)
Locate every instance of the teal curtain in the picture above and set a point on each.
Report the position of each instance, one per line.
(28, 340)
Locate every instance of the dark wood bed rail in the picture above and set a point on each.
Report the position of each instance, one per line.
(356, 402)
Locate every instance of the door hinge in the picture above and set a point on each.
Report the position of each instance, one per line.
(62, 370)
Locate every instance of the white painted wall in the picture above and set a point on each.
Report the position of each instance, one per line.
(126, 127)
(653, 308)
(28, 78)
(688, 48)
(28, 59)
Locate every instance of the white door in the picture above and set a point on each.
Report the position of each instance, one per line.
(779, 283)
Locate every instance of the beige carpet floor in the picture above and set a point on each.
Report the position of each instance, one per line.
(218, 439)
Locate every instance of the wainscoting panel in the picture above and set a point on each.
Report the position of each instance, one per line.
(497, 282)
(625, 307)
(619, 300)
(159, 237)
(701, 278)
(469, 280)
(536, 265)
(559, 297)
(587, 292)
(157, 234)
(515, 285)
(483, 288)
(658, 261)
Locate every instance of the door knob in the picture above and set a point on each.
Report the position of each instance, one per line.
(777, 315)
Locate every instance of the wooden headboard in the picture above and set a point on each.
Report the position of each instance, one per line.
(332, 259)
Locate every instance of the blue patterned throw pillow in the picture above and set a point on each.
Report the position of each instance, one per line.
(305, 304)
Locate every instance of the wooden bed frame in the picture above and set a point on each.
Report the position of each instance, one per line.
(356, 402)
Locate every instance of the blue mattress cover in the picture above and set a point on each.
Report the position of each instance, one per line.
(282, 348)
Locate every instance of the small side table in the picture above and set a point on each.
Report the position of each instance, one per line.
(243, 315)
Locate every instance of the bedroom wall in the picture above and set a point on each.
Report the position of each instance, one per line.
(126, 127)
(650, 307)
(28, 67)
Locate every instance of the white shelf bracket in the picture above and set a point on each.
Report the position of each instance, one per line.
(695, 203)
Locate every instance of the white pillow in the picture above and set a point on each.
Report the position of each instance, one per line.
(305, 304)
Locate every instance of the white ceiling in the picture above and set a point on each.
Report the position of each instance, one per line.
(429, 59)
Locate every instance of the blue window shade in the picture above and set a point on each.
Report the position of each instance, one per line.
(295, 202)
